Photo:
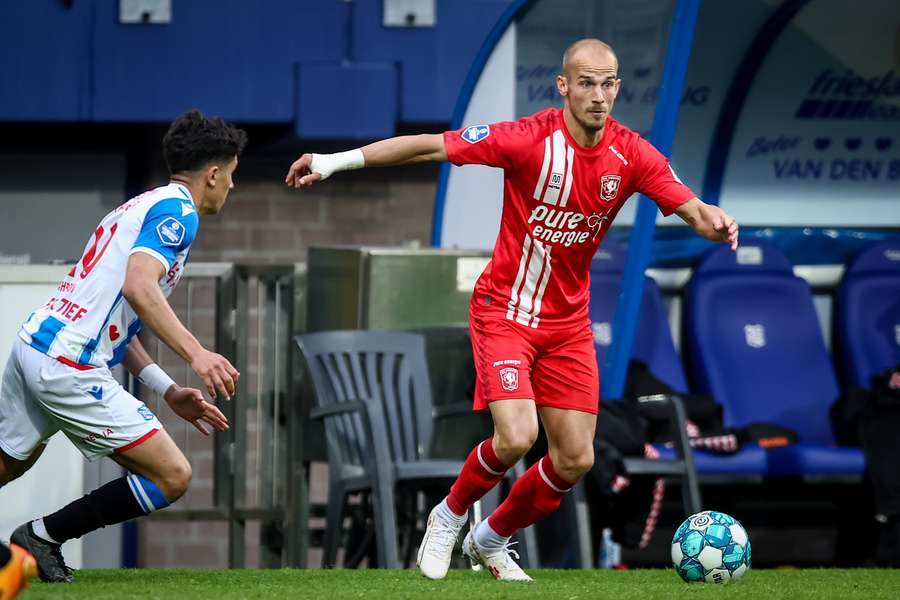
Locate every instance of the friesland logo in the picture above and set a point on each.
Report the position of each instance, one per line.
(476, 133)
(509, 379)
(609, 187)
(170, 232)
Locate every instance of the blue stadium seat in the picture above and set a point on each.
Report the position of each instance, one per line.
(653, 345)
(653, 339)
(755, 345)
(867, 314)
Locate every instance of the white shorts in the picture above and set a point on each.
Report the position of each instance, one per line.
(40, 396)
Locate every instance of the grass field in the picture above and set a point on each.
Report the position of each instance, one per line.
(868, 584)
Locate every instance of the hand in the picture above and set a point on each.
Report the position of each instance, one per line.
(188, 403)
(217, 373)
(724, 225)
(300, 174)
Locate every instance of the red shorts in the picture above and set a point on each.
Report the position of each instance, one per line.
(553, 367)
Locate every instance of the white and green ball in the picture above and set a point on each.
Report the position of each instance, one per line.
(712, 547)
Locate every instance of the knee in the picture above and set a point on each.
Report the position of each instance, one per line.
(510, 446)
(573, 466)
(175, 479)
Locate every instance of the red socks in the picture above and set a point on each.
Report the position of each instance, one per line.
(534, 496)
(482, 471)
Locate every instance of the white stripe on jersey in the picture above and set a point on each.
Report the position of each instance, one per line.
(558, 160)
(523, 263)
(531, 281)
(570, 158)
(557, 168)
(539, 188)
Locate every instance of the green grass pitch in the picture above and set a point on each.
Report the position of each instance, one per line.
(812, 584)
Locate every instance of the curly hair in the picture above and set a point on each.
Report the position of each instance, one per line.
(193, 141)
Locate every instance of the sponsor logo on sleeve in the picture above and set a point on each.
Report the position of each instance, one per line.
(170, 232)
(475, 133)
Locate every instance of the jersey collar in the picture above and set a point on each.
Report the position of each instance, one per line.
(183, 189)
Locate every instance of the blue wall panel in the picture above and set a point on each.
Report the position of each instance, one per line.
(346, 101)
(433, 61)
(230, 57)
(238, 59)
(44, 58)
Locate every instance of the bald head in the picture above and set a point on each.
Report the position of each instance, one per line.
(585, 50)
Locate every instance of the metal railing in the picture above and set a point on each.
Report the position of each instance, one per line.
(251, 473)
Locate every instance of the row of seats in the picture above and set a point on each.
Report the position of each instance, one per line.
(754, 343)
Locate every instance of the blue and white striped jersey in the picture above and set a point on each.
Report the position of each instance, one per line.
(88, 323)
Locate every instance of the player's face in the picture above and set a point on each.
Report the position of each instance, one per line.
(590, 86)
(220, 181)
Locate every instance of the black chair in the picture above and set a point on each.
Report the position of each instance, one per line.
(373, 394)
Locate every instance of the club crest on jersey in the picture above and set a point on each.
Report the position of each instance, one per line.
(475, 133)
(609, 187)
(170, 232)
(509, 379)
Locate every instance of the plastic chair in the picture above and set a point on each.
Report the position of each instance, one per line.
(867, 314)
(755, 344)
(373, 394)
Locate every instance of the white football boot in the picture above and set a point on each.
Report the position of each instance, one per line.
(437, 545)
(498, 562)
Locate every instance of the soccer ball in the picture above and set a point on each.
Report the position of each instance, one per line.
(712, 547)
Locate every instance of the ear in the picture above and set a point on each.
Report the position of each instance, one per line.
(562, 85)
(212, 175)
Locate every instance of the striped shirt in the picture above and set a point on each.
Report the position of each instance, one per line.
(88, 323)
(559, 199)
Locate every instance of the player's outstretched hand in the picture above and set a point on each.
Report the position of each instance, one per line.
(725, 226)
(188, 403)
(300, 174)
(217, 373)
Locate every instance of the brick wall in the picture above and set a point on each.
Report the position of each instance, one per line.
(266, 222)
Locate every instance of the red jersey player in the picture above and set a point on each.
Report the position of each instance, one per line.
(567, 172)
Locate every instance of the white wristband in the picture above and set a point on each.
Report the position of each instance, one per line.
(326, 164)
(155, 378)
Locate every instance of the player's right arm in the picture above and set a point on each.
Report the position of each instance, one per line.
(400, 150)
(142, 291)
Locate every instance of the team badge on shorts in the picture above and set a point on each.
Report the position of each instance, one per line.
(609, 187)
(475, 133)
(509, 379)
(170, 232)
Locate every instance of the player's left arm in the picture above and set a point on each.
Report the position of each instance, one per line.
(710, 222)
(186, 402)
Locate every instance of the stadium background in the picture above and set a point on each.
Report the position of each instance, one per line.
(84, 99)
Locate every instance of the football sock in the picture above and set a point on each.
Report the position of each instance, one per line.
(446, 512)
(487, 538)
(40, 529)
(481, 472)
(117, 501)
(533, 496)
(5, 555)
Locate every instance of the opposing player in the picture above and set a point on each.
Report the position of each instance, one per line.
(567, 173)
(58, 375)
(16, 567)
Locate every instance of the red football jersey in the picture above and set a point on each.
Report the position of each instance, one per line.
(559, 199)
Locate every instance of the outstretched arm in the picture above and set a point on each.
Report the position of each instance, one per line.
(710, 222)
(400, 150)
